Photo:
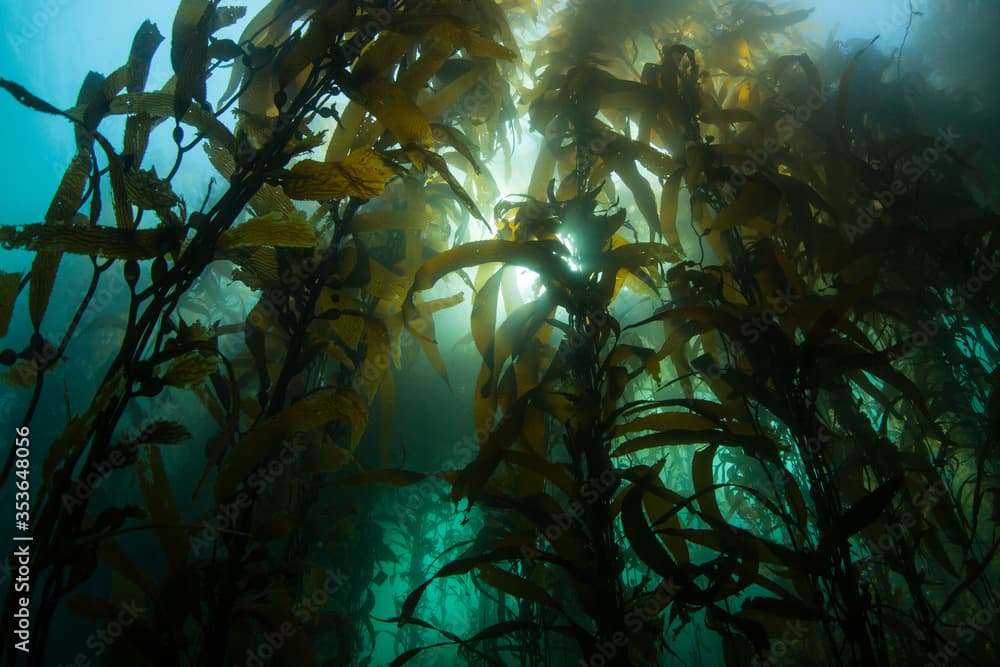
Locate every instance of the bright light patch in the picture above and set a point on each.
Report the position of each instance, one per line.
(527, 281)
(571, 259)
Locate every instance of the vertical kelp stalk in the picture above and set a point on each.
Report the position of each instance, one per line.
(861, 636)
(130, 366)
(592, 464)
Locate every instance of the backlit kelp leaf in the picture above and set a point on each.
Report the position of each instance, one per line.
(377, 356)
(279, 230)
(148, 191)
(701, 476)
(388, 286)
(515, 586)
(145, 43)
(632, 256)
(756, 198)
(267, 199)
(668, 209)
(189, 52)
(387, 408)
(223, 17)
(112, 553)
(842, 94)
(644, 542)
(665, 421)
(642, 192)
(458, 141)
(325, 28)
(667, 438)
(132, 76)
(137, 130)
(98, 241)
(75, 435)
(165, 432)
(450, 29)
(555, 473)
(69, 194)
(361, 174)
(390, 476)
(484, 317)
(159, 502)
(661, 507)
(23, 374)
(543, 257)
(10, 285)
(859, 515)
(391, 105)
(423, 324)
(160, 105)
(807, 65)
(29, 100)
(269, 25)
(439, 164)
(474, 476)
(119, 191)
(44, 268)
(190, 369)
(458, 566)
(266, 439)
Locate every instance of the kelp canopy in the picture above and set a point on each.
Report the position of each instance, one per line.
(727, 395)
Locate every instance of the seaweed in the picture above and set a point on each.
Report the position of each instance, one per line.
(732, 352)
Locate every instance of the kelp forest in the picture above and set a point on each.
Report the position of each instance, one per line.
(601, 333)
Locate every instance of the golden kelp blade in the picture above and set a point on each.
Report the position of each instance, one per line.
(265, 440)
(44, 268)
(69, 194)
(361, 174)
(159, 500)
(95, 241)
(188, 370)
(452, 31)
(160, 105)
(393, 108)
(147, 191)
(189, 52)
(279, 230)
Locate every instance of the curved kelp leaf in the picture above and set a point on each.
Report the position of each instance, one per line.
(95, 241)
(361, 174)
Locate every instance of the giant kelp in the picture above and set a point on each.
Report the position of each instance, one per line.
(752, 390)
